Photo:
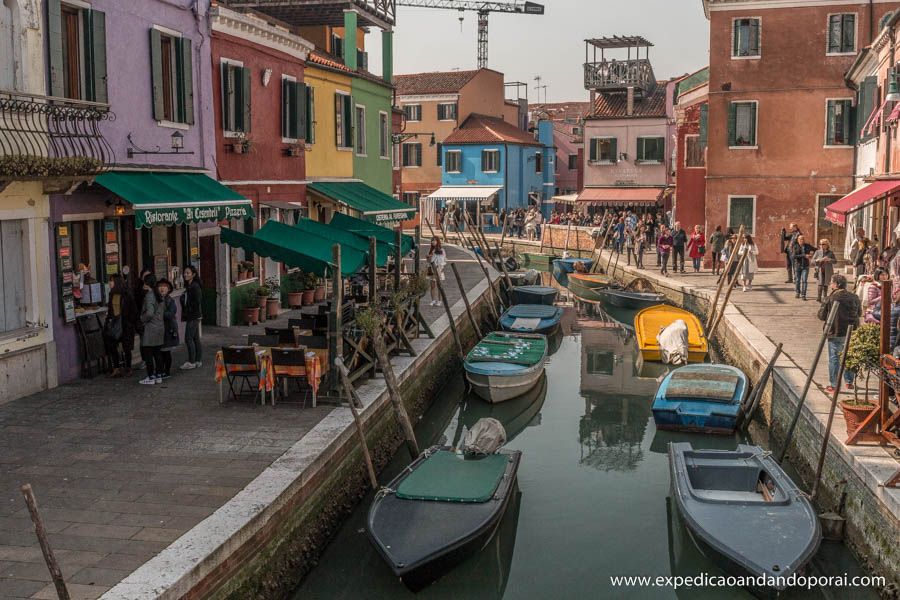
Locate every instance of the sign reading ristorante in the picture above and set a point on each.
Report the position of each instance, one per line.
(151, 217)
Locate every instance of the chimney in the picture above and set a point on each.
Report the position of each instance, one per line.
(593, 98)
(629, 106)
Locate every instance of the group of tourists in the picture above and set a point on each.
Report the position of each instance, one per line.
(147, 308)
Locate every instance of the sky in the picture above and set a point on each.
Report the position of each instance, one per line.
(552, 46)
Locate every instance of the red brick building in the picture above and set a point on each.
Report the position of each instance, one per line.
(691, 119)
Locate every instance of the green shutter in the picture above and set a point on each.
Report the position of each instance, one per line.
(418, 155)
(95, 55)
(156, 74)
(349, 125)
(291, 110)
(440, 155)
(54, 32)
(186, 80)
(732, 123)
(849, 30)
(753, 140)
(484, 161)
(613, 150)
(640, 149)
(300, 108)
(866, 104)
(285, 108)
(245, 99)
(848, 119)
(594, 149)
(829, 123)
(338, 130)
(226, 93)
(704, 124)
(736, 38)
(310, 115)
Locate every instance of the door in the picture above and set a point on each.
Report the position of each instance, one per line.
(827, 229)
(208, 279)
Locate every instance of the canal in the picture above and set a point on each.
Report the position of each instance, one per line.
(593, 487)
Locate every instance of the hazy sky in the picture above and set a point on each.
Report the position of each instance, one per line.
(523, 46)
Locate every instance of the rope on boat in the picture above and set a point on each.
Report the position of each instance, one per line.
(384, 491)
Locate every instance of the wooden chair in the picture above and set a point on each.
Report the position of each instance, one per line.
(289, 364)
(286, 336)
(303, 323)
(240, 363)
(90, 332)
(266, 341)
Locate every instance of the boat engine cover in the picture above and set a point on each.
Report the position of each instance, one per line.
(485, 437)
(673, 343)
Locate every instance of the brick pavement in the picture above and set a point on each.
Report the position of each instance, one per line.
(121, 470)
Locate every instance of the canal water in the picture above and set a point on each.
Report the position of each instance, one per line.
(593, 489)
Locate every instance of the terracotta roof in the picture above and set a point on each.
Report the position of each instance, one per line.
(558, 111)
(321, 58)
(482, 129)
(613, 106)
(433, 83)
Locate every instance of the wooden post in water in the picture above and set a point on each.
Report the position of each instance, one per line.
(509, 285)
(734, 279)
(335, 328)
(503, 231)
(490, 287)
(351, 400)
(55, 573)
(459, 346)
(373, 272)
(543, 226)
(568, 231)
(462, 290)
(393, 387)
(723, 278)
(398, 258)
(420, 320)
(758, 389)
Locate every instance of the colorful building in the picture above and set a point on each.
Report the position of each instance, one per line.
(568, 138)
(691, 118)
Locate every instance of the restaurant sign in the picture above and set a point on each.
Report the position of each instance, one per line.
(177, 215)
(389, 219)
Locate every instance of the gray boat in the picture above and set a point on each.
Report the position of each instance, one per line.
(744, 513)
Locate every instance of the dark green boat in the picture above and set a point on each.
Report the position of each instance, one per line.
(536, 259)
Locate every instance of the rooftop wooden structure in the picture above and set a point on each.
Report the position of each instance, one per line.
(617, 74)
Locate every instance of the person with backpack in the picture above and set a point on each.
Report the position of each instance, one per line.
(716, 243)
(170, 327)
(824, 261)
(679, 239)
(153, 333)
(119, 327)
(191, 314)
(664, 248)
(847, 314)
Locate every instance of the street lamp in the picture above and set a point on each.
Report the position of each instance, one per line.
(177, 141)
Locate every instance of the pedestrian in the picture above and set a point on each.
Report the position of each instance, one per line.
(119, 327)
(436, 260)
(192, 314)
(730, 247)
(788, 237)
(716, 243)
(679, 239)
(170, 327)
(531, 226)
(858, 251)
(520, 223)
(847, 314)
(664, 248)
(800, 255)
(697, 247)
(153, 331)
(873, 295)
(640, 243)
(823, 260)
(629, 245)
(751, 263)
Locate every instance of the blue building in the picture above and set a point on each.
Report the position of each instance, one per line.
(491, 165)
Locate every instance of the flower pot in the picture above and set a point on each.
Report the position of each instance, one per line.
(272, 305)
(250, 316)
(320, 293)
(261, 300)
(295, 299)
(856, 414)
(309, 296)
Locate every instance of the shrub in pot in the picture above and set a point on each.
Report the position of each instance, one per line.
(862, 357)
(273, 301)
(295, 298)
(309, 288)
(250, 315)
(320, 290)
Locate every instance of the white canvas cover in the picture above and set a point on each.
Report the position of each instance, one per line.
(485, 437)
(673, 343)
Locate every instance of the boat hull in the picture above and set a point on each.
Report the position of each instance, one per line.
(547, 325)
(706, 399)
(588, 288)
(632, 300)
(500, 388)
(534, 294)
(649, 321)
(536, 259)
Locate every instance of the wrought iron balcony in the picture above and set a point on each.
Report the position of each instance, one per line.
(377, 13)
(47, 138)
(617, 75)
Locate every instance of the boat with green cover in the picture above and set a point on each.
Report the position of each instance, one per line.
(505, 365)
(588, 286)
(536, 259)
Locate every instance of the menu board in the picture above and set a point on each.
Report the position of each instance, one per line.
(194, 235)
(111, 247)
(65, 273)
(161, 266)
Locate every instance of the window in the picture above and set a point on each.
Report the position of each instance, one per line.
(360, 130)
(235, 97)
(576, 131)
(601, 363)
(446, 112)
(490, 161)
(411, 198)
(538, 163)
(741, 211)
(384, 135)
(742, 124)
(362, 60)
(745, 38)
(343, 125)
(413, 112)
(453, 162)
(310, 115)
(294, 109)
(865, 105)
(651, 149)
(337, 46)
(838, 119)
(440, 154)
(842, 34)
(573, 162)
(602, 150)
(412, 154)
(77, 44)
(13, 269)
(172, 78)
(693, 152)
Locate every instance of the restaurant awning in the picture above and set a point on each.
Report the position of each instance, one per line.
(345, 239)
(281, 243)
(566, 199)
(367, 230)
(620, 196)
(858, 199)
(161, 198)
(374, 205)
(464, 192)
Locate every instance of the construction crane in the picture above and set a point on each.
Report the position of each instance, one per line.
(483, 9)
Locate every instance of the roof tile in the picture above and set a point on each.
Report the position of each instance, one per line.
(614, 106)
(482, 129)
(433, 83)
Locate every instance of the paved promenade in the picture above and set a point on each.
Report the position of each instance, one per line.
(122, 470)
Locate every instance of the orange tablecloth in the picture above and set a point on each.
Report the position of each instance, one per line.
(263, 363)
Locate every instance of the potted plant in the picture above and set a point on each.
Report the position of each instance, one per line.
(262, 296)
(295, 149)
(274, 300)
(320, 289)
(250, 315)
(295, 297)
(863, 356)
(309, 288)
(242, 144)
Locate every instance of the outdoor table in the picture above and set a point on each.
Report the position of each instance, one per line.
(312, 370)
(266, 375)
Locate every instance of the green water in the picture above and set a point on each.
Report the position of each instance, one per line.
(593, 487)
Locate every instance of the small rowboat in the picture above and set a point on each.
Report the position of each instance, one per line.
(439, 511)
(534, 294)
(702, 397)
(634, 300)
(649, 322)
(588, 286)
(744, 512)
(529, 277)
(536, 259)
(563, 267)
(531, 318)
(505, 365)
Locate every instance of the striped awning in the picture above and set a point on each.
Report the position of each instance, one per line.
(620, 196)
(465, 192)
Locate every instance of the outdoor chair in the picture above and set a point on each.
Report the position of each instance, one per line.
(93, 349)
(317, 344)
(303, 323)
(286, 336)
(289, 364)
(266, 341)
(240, 363)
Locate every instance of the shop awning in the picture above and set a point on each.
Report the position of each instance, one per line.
(566, 199)
(374, 205)
(620, 196)
(858, 199)
(161, 198)
(347, 239)
(281, 243)
(367, 230)
(464, 192)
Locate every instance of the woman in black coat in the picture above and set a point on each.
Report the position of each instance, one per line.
(119, 328)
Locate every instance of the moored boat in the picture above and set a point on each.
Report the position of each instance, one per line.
(700, 397)
(649, 321)
(529, 277)
(625, 299)
(536, 259)
(439, 511)
(531, 318)
(563, 267)
(505, 365)
(534, 294)
(744, 512)
(515, 415)
(588, 286)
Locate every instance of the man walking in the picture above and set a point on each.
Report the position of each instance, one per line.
(787, 240)
(800, 253)
(679, 239)
(663, 248)
(847, 314)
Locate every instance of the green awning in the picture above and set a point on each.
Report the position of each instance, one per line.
(284, 244)
(367, 230)
(374, 205)
(161, 198)
(346, 239)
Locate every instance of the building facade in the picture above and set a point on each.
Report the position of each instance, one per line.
(691, 126)
(568, 137)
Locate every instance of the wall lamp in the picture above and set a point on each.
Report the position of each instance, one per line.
(893, 92)
(177, 146)
(399, 138)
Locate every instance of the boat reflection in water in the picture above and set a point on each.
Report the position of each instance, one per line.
(515, 415)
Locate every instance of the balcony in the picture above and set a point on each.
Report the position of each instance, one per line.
(619, 75)
(376, 13)
(53, 140)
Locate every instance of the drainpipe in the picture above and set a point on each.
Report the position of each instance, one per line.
(506, 177)
(871, 23)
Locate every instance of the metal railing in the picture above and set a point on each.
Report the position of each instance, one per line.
(45, 137)
(619, 75)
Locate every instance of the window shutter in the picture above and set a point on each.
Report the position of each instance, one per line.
(704, 124)
(847, 42)
(54, 30)
(753, 140)
(156, 74)
(186, 81)
(613, 150)
(338, 130)
(440, 155)
(310, 115)
(301, 110)
(736, 38)
(847, 114)
(640, 149)
(285, 103)
(226, 94)
(418, 155)
(484, 159)
(829, 123)
(594, 151)
(865, 105)
(95, 55)
(732, 119)
(245, 99)
(754, 37)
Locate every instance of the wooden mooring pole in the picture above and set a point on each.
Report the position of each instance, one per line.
(446, 305)
(352, 398)
(723, 278)
(712, 329)
(55, 573)
(756, 396)
(465, 297)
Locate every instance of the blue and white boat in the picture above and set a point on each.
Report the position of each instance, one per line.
(505, 365)
(563, 266)
(701, 397)
(531, 318)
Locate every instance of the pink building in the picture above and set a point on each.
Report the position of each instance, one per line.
(568, 138)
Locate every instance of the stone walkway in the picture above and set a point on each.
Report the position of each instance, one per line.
(121, 470)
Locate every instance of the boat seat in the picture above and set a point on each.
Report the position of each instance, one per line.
(448, 478)
(729, 496)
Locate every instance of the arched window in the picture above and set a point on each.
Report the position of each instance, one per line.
(9, 51)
